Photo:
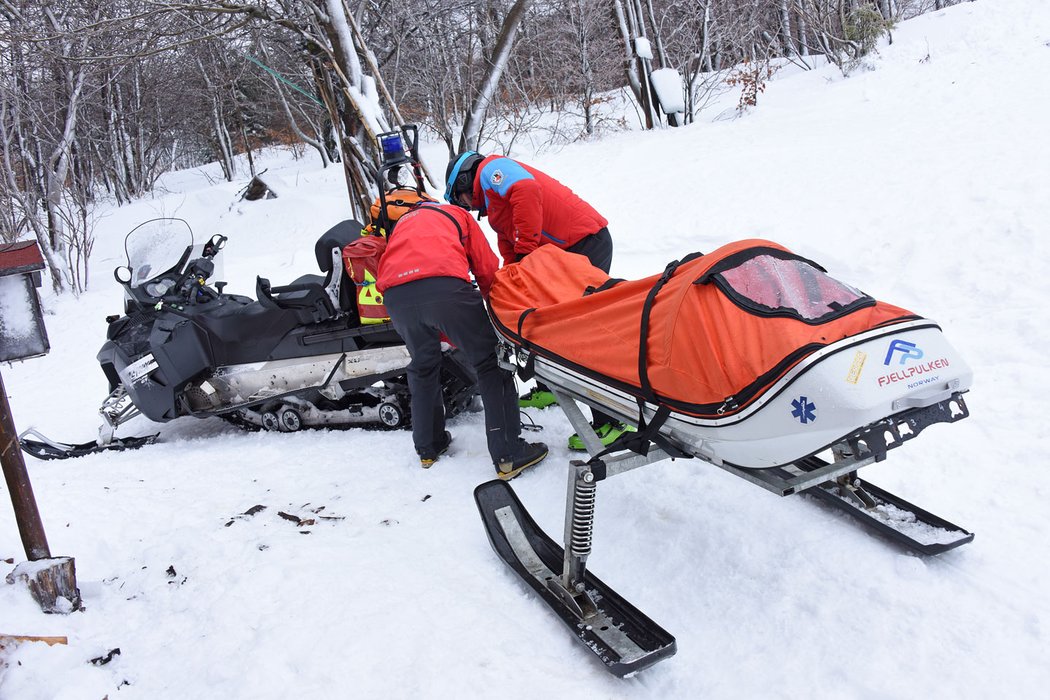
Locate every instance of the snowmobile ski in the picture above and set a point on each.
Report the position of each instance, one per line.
(45, 448)
(887, 514)
(623, 638)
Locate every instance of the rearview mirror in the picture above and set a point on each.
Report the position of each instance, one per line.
(214, 245)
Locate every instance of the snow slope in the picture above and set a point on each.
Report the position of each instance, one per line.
(925, 182)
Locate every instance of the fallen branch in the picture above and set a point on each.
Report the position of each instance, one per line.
(12, 638)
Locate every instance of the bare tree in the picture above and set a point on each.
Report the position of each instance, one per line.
(99, 97)
(845, 30)
(496, 64)
(350, 95)
(41, 97)
(297, 115)
(630, 29)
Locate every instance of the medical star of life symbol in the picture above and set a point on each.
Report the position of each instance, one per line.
(805, 410)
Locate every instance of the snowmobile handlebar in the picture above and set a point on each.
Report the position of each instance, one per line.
(189, 287)
(192, 286)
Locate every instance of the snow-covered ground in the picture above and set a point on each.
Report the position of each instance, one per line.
(925, 182)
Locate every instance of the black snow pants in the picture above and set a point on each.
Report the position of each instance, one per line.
(421, 311)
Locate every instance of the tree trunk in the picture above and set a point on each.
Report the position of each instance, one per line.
(471, 134)
(661, 54)
(633, 27)
(800, 17)
(705, 46)
(588, 74)
(58, 167)
(223, 143)
(785, 28)
(370, 59)
(631, 67)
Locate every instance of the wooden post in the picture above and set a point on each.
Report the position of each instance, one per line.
(26, 514)
(51, 582)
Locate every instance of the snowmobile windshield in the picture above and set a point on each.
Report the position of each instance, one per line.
(156, 247)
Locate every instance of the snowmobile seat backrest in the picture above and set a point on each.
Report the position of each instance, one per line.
(337, 238)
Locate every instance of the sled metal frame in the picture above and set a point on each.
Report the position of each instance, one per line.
(629, 641)
(580, 498)
(622, 637)
(784, 483)
(835, 483)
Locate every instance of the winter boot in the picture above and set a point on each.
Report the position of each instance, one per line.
(607, 433)
(428, 457)
(537, 399)
(529, 453)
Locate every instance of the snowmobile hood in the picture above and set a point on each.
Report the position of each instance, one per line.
(707, 336)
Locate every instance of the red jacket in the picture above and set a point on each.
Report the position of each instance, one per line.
(436, 240)
(528, 208)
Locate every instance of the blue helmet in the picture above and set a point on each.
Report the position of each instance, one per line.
(459, 176)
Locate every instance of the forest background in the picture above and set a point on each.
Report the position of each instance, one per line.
(99, 98)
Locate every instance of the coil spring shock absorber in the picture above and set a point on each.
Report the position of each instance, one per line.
(583, 495)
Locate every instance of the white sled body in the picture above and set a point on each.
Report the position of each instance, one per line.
(840, 391)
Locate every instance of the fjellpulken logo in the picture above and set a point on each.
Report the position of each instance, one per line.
(908, 351)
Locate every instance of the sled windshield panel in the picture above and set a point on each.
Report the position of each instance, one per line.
(707, 352)
(770, 285)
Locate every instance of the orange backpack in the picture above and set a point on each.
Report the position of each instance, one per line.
(399, 201)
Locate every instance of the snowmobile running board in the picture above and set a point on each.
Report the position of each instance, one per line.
(620, 635)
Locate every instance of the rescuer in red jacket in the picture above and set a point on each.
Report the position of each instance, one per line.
(528, 208)
(424, 277)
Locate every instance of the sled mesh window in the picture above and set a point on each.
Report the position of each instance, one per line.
(790, 286)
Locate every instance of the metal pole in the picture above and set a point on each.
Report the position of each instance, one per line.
(26, 514)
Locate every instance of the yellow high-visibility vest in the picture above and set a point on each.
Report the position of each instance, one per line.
(367, 295)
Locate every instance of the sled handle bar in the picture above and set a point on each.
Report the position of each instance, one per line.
(944, 391)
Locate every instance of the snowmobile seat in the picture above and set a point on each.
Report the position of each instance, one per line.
(310, 296)
(307, 298)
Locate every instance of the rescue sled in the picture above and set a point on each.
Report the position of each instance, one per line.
(750, 358)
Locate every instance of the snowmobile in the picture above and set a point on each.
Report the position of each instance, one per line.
(751, 359)
(294, 356)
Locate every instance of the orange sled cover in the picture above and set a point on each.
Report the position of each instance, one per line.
(705, 338)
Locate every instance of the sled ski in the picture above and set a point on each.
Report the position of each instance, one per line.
(45, 448)
(836, 483)
(887, 514)
(621, 636)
